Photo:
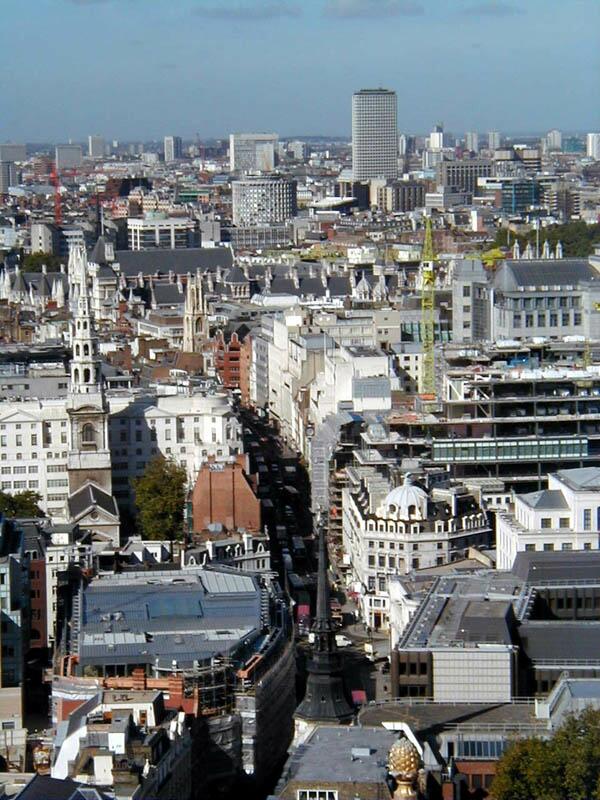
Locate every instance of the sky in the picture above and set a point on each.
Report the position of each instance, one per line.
(142, 69)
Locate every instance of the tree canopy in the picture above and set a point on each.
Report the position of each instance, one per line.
(577, 237)
(22, 504)
(567, 767)
(160, 499)
(35, 261)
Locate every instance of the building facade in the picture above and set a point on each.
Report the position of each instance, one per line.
(374, 134)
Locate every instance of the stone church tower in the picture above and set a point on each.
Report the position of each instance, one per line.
(195, 318)
(89, 455)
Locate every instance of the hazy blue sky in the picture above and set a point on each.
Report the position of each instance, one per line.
(133, 69)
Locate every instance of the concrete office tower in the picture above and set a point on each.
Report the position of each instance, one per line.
(8, 176)
(493, 140)
(472, 141)
(173, 148)
(436, 138)
(68, 156)
(593, 146)
(96, 146)
(554, 140)
(10, 151)
(252, 152)
(374, 134)
(263, 201)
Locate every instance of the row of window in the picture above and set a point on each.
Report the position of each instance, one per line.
(549, 546)
(550, 320)
(7, 485)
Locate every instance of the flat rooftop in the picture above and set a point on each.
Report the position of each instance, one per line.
(160, 617)
(432, 717)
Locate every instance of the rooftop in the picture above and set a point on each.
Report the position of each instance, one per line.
(163, 616)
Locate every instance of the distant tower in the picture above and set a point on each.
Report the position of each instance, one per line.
(374, 134)
(325, 699)
(195, 327)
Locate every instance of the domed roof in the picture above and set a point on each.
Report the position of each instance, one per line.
(406, 496)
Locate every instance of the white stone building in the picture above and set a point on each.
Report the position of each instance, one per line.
(565, 516)
(391, 531)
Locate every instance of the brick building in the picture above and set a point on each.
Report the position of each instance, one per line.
(223, 494)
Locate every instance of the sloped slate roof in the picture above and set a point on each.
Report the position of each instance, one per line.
(550, 499)
(544, 272)
(181, 261)
(91, 495)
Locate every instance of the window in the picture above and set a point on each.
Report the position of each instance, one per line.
(587, 519)
(529, 548)
(88, 433)
(564, 522)
(566, 546)
(317, 794)
(546, 522)
(548, 546)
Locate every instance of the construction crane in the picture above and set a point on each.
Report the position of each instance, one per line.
(57, 202)
(428, 312)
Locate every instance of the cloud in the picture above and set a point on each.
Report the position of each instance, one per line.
(249, 13)
(492, 9)
(365, 9)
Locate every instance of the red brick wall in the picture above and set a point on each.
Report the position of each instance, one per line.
(225, 496)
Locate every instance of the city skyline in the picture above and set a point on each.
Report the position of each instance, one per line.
(155, 69)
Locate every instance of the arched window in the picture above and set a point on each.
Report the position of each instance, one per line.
(86, 349)
(86, 375)
(412, 510)
(77, 351)
(88, 434)
(76, 375)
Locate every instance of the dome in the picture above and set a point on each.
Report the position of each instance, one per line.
(407, 501)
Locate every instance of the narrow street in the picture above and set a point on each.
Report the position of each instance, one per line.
(284, 491)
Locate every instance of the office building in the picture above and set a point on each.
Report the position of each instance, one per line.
(252, 152)
(593, 146)
(472, 141)
(264, 201)
(96, 146)
(173, 148)
(519, 195)
(554, 140)
(45, 237)
(389, 531)
(493, 636)
(164, 629)
(401, 196)
(157, 231)
(565, 516)
(462, 175)
(493, 140)
(436, 138)
(68, 156)
(10, 151)
(374, 134)
(8, 176)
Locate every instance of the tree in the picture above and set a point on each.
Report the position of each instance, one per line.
(160, 499)
(565, 768)
(22, 504)
(34, 262)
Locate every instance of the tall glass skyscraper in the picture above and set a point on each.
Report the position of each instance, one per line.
(374, 134)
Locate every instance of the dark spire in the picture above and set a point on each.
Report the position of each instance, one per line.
(325, 698)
